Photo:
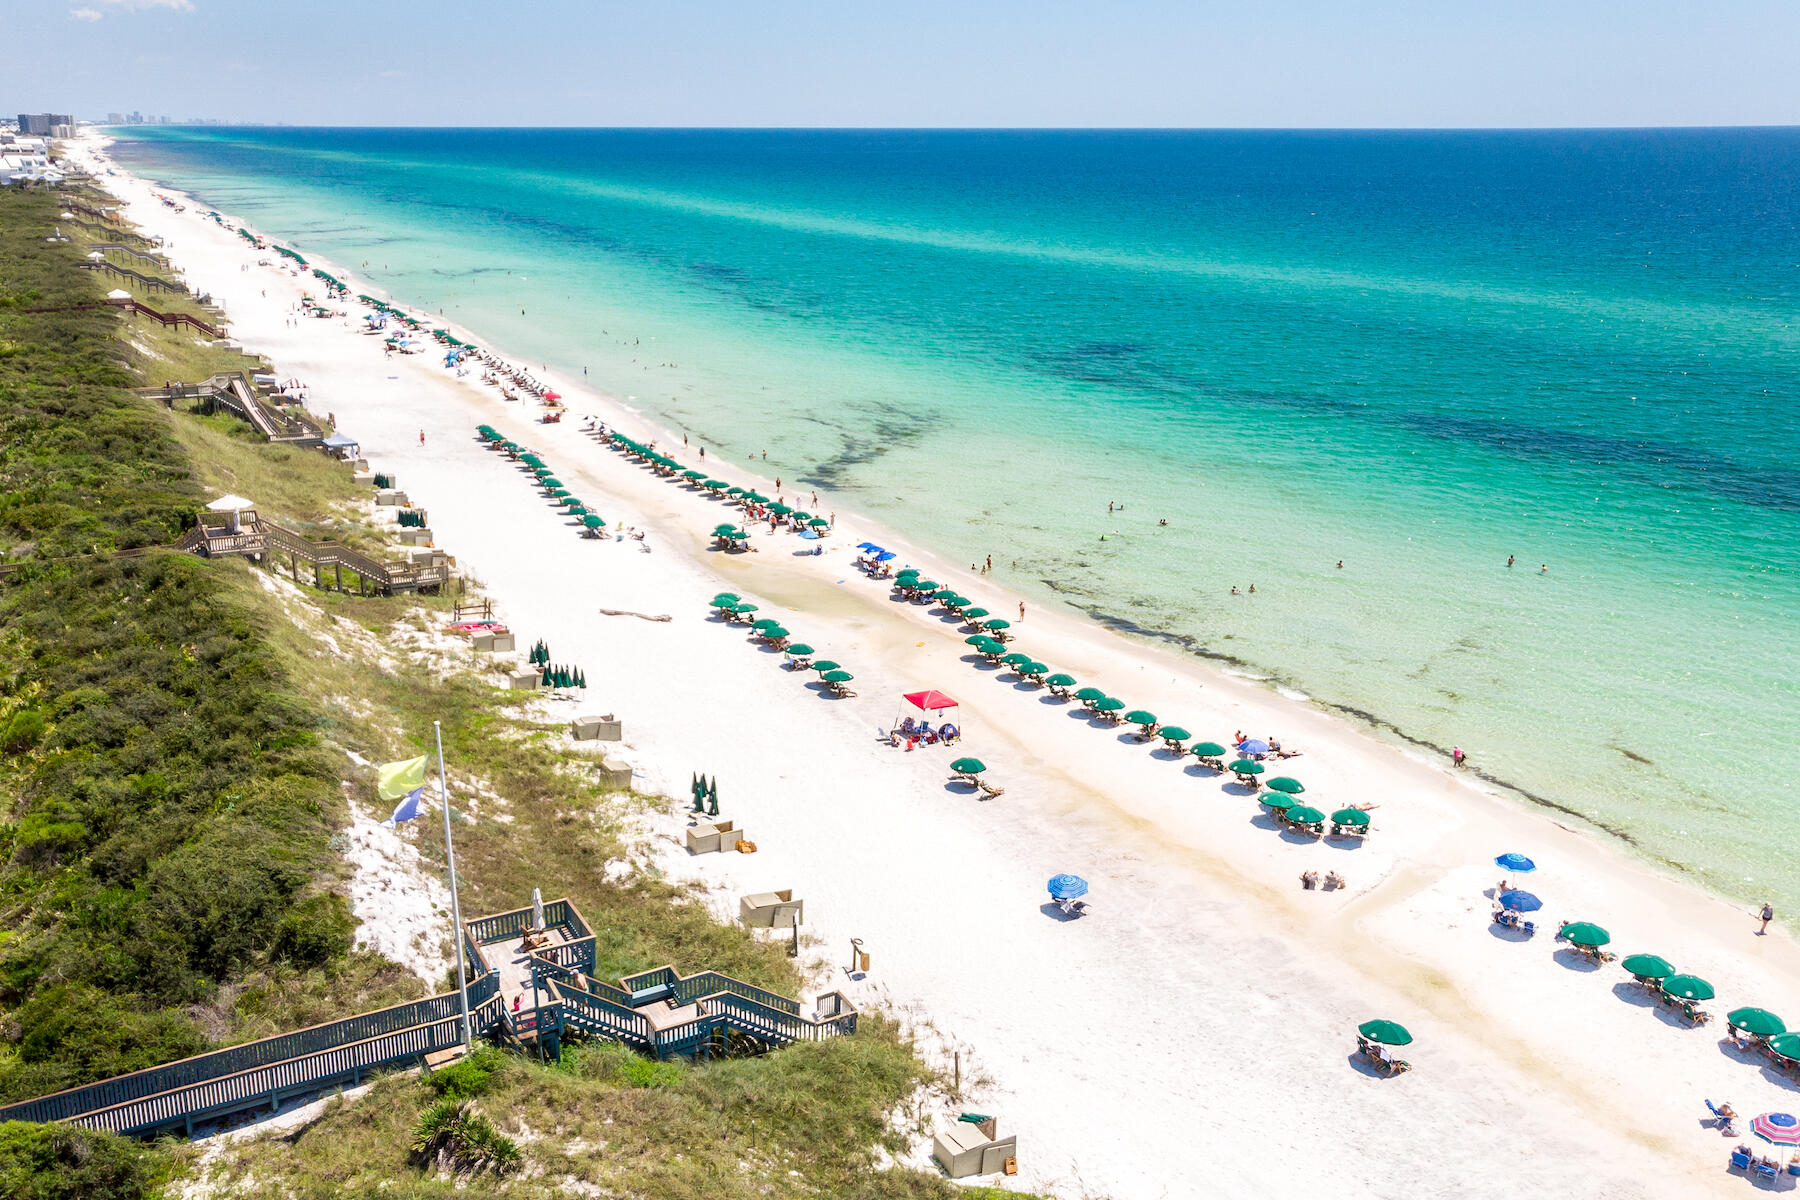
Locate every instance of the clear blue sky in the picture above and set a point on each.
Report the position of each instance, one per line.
(1287, 63)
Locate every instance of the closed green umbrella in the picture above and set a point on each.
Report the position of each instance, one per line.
(837, 677)
(1758, 1021)
(1282, 783)
(1060, 680)
(1108, 704)
(824, 664)
(1648, 966)
(1351, 816)
(1207, 749)
(1585, 933)
(1090, 694)
(1245, 766)
(968, 766)
(1301, 814)
(1688, 987)
(1388, 1033)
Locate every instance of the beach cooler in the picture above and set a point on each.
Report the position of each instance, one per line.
(596, 729)
(771, 910)
(969, 1149)
(713, 837)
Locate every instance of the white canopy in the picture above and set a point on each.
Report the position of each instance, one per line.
(96, 254)
(118, 294)
(232, 503)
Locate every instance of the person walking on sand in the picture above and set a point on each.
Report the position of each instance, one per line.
(1021, 610)
(421, 437)
(1766, 915)
(1458, 757)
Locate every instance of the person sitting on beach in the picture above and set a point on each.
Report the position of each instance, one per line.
(1309, 880)
(1727, 1115)
(1334, 880)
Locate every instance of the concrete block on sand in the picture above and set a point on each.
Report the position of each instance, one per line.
(601, 729)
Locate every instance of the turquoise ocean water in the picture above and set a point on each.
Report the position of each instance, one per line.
(1418, 353)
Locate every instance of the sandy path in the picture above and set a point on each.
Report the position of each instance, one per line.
(1191, 1035)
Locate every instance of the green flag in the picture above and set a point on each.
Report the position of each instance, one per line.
(393, 780)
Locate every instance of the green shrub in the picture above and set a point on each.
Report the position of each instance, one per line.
(23, 732)
(452, 1135)
(316, 932)
(68, 1162)
(470, 1077)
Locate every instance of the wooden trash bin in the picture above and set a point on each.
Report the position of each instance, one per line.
(969, 1149)
(771, 910)
(713, 837)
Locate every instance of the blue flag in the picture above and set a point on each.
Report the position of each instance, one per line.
(408, 808)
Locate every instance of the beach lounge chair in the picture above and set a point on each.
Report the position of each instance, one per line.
(988, 790)
(1740, 1160)
(1725, 1125)
(1768, 1170)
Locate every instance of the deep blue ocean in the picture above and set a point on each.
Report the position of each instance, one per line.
(1417, 353)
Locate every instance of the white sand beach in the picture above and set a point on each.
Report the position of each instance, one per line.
(1193, 1033)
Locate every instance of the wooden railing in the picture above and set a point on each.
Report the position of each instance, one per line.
(291, 1051)
(153, 282)
(155, 260)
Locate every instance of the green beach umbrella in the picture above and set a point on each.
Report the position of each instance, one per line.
(1282, 783)
(823, 665)
(1174, 733)
(592, 521)
(974, 614)
(1108, 704)
(724, 530)
(1351, 816)
(1031, 668)
(1061, 680)
(968, 766)
(1278, 801)
(774, 631)
(799, 649)
(1207, 749)
(765, 623)
(1649, 966)
(756, 497)
(819, 523)
(780, 510)
(693, 474)
(560, 493)
(977, 639)
(714, 484)
(1302, 814)
(734, 491)
(1015, 658)
(1688, 987)
(837, 677)
(800, 515)
(1585, 933)
(1088, 694)
(742, 607)
(1138, 716)
(726, 598)
(1758, 1021)
(1787, 1045)
(1245, 766)
(550, 481)
(997, 623)
(1388, 1033)
(925, 585)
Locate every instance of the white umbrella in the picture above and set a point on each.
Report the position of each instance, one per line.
(68, 216)
(231, 503)
(118, 294)
(96, 254)
(537, 909)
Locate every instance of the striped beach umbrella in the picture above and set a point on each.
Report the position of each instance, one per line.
(1777, 1128)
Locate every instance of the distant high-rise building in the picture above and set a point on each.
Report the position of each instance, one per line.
(43, 124)
(136, 118)
(115, 118)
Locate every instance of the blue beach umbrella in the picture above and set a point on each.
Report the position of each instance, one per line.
(1516, 863)
(1067, 887)
(1254, 746)
(1517, 901)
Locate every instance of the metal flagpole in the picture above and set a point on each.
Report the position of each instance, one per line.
(462, 985)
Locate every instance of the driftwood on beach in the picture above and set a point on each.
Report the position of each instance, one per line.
(615, 612)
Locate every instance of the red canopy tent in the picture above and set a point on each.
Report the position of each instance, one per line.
(931, 701)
